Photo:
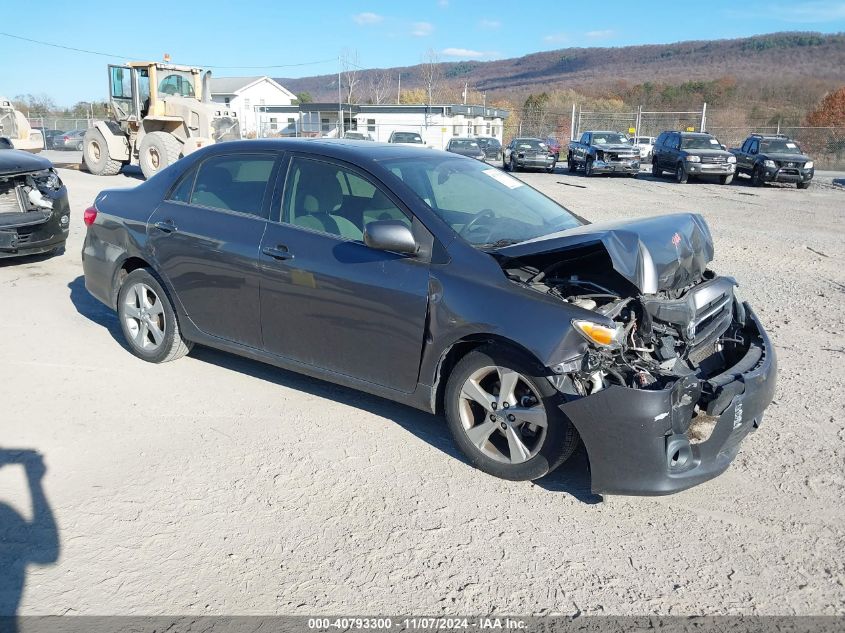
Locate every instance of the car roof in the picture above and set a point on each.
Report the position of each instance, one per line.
(343, 149)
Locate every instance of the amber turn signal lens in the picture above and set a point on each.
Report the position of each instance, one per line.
(595, 333)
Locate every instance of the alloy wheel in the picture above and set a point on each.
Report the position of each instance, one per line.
(143, 316)
(502, 414)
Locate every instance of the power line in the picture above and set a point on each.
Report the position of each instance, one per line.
(101, 54)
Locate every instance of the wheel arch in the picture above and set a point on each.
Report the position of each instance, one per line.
(460, 348)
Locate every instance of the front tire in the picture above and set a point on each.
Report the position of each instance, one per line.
(803, 185)
(756, 177)
(726, 180)
(157, 151)
(513, 165)
(655, 170)
(504, 416)
(681, 175)
(588, 168)
(95, 154)
(571, 164)
(148, 320)
(551, 168)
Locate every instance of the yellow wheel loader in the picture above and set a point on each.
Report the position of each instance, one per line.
(160, 112)
(15, 127)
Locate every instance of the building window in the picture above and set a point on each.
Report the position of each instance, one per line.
(324, 125)
(371, 125)
(226, 100)
(246, 103)
(291, 122)
(456, 130)
(273, 123)
(488, 129)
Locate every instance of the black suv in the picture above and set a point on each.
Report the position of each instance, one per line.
(773, 158)
(688, 154)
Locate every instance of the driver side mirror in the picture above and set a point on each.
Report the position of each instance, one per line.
(390, 235)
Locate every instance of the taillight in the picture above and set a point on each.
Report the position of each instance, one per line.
(89, 215)
(65, 138)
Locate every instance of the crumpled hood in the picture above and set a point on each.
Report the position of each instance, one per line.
(666, 252)
(616, 147)
(15, 161)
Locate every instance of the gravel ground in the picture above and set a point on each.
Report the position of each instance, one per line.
(216, 485)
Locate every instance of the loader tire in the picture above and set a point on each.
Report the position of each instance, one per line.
(95, 154)
(158, 150)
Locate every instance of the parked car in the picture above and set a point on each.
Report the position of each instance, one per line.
(450, 286)
(69, 140)
(6, 143)
(51, 136)
(528, 153)
(603, 152)
(34, 210)
(491, 146)
(773, 158)
(692, 154)
(554, 145)
(465, 147)
(405, 138)
(645, 144)
(357, 136)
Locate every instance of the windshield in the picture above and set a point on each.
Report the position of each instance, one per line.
(780, 146)
(699, 142)
(609, 138)
(177, 85)
(529, 143)
(483, 205)
(406, 137)
(463, 145)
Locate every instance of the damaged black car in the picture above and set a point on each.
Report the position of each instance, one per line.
(440, 282)
(34, 210)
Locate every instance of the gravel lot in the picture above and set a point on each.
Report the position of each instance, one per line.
(216, 485)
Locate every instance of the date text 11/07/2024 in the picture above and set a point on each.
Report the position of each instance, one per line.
(418, 624)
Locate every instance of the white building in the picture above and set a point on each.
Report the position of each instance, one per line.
(436, 124)
(245, 95)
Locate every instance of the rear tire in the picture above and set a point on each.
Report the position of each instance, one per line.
(516, 449)
(681, 175)
(148, 320)
(95, 154)
(158, 151)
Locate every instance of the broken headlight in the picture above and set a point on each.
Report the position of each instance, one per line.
(598, 334)
(48, 178)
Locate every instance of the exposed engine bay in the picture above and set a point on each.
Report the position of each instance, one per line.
(692, 331)
(25, 193)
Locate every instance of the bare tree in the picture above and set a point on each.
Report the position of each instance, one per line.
(380, 85)
(349, 73)
(432, 73)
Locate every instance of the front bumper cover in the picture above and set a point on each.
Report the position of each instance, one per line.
(616, 167)
(637, 440)
(37, 232)
(787, 174)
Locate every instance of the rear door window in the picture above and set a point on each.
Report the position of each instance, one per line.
(234, 182)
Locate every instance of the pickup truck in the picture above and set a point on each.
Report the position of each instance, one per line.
(773, 158)
(602, 152)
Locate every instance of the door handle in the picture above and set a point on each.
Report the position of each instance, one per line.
(278, 252)
(166, 226)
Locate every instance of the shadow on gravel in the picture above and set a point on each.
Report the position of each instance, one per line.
(24, 542)
(572, 478)
(93, 310)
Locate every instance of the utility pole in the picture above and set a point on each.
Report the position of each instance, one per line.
(399, 90)
(339, 106)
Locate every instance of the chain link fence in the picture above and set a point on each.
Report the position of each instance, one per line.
(61, 123)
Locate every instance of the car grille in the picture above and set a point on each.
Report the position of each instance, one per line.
(711, 318)
(790, 165)
(713, 159)
(9, 201)
(617, 156)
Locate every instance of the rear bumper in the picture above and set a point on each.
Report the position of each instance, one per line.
(639, 441)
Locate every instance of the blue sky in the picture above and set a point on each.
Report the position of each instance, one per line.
(384, 33)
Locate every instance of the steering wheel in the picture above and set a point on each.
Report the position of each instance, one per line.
(484, 213)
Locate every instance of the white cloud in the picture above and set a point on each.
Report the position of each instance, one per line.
(422, 29)
(556, 38)
(367, 18)
(600, 35)
(491, 25)
(466, 53)
(443, 3)
(810, 12)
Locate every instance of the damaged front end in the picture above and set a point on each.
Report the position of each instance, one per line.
(672, 370)
(34, 212)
